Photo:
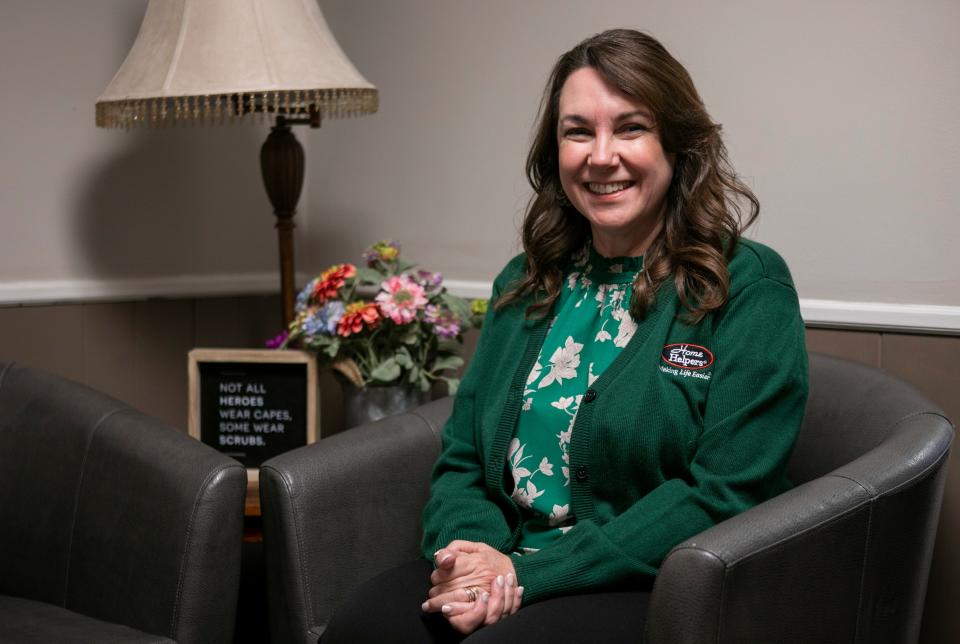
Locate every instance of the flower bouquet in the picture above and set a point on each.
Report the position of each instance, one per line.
(383, 323)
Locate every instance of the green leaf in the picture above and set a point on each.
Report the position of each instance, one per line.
(424, 382)
(404, 266)
(414, 376)
(452, 385)
(402, 356)
(386, 371)
(332, 350)
(447, 362)
(449, 346)
(370, 276)
(460, 306)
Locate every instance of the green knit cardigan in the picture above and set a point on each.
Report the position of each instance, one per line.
(690, 425)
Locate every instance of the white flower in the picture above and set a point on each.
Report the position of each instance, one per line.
(535, 372)
(616, 268)
(566, 475)
(527, 403)
(627, 327)
(563, 403)
(565, 529)
(590, 377)
(546, 467)
(515, 454)
(572, 280)
(603, 335)
(559, 514)
(563, 363)
(616, 297)
(525, 496)
(601, 294)
(581, 256)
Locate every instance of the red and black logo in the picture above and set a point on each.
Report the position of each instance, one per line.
(687, 356)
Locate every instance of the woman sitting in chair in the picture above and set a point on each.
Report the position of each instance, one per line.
(641, 375)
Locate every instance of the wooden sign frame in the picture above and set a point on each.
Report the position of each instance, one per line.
(197, 357)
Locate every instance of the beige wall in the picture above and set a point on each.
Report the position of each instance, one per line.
(841, 114)
(77, 202)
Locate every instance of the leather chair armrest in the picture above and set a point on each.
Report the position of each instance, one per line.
(341, 510)
(727, 575)
(161, 507)
(795, 564)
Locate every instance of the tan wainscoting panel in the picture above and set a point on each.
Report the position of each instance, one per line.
(859, 346)
(109, 349)
(45, 337)
(164, 336)
(932, 364)
(247, 321)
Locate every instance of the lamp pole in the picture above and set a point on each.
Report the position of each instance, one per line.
(282, 167)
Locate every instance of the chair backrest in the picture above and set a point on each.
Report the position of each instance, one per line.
(112, 514)
(852, 409)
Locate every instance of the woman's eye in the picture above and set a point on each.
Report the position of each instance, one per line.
(576, 132)
(635, 127)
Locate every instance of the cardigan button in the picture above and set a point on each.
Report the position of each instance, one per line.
(581, 473)
(590, 395)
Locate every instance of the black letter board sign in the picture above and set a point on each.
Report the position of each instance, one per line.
(253, 404)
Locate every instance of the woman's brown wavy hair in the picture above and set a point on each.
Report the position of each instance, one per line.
(706, 201)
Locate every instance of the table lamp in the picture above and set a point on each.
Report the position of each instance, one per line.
(216, 61)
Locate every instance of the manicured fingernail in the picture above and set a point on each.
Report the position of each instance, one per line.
(519, 590)
(424, 606)
(435, 554)
(444, 558)
(510, 579)
(446, 609)
(485, 597)
(500, 581)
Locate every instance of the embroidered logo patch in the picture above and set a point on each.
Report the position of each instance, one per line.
(687, 356)
(686, 360)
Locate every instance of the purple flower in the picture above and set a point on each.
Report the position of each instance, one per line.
(278, 340)
(430, 281)
(323, 321)
(445, 324)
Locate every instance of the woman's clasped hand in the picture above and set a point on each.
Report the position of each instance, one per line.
(473, 585)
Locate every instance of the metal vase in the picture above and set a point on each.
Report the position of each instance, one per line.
(362, 406)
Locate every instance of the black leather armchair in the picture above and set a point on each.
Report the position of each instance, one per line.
(842, 557)
(113, 526)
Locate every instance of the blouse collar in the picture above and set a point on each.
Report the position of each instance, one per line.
(607, 269)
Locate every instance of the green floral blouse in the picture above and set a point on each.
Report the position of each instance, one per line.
(591, 326)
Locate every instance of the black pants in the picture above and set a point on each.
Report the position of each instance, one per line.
(386, 610)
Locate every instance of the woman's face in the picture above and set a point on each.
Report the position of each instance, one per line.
(612, 166)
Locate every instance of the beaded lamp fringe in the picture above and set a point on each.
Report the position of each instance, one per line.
(220, 108)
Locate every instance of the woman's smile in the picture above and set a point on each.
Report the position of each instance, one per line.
(608, 189)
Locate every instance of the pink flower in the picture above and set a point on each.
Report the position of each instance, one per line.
(400, 298)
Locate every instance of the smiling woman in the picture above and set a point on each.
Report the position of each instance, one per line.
(617, 402)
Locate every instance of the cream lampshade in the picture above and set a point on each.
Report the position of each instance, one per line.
(211, 61)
